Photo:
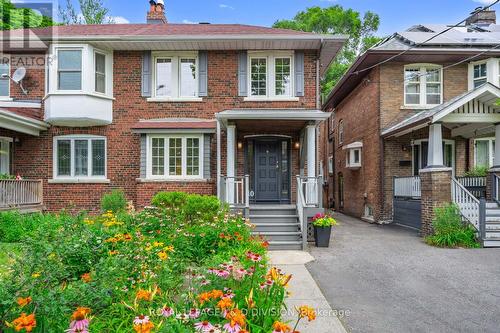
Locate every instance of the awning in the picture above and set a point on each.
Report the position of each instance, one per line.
(353, 145)
(316, 116)
(175, 125)
(17, 119)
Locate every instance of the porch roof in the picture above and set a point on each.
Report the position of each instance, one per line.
(316, 116)
(13, 119)
(475, 106)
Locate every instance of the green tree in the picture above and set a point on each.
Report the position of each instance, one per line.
(337, 20)
(92, 12)
(12, 17)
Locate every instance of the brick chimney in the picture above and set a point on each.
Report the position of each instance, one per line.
(156, 14)
(483, 18)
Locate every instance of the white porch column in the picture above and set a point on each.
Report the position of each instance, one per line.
(496, 164)
(311, 190)
(230, 161)
(435, 153)
(219, 168)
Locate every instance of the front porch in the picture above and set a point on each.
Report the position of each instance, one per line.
(271, 171)
(447, 155)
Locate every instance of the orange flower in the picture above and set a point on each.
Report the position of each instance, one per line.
(112, 253)
(278, 277)
(216, 293)
(143, 295)
(26, 322)
(144, 328)
(204, 297)
(306, 311)
(80, 313)
(86, 277)
(235, 316)
(281, 327)
(225, 303)
(127, 237)
(22, 302)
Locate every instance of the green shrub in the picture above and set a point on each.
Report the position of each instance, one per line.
(478, 171)
(115, 201)
(6, 176)
(450, 231)
(169, 199)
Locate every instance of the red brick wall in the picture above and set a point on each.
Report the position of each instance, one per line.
(33, 155)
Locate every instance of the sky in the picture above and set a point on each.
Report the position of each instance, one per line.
(395, 15)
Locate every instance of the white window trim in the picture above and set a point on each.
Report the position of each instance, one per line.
(72, 177)
(7, 97)
(491, 150)
(492, 71)
(96, 52)
(350, 158)
(82, 70)
(149, 157)
(423, 84)
(419, 142)
(6, 156)
(176, 77)
(270, 76)
(330, 165)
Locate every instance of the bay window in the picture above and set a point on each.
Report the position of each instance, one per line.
(176, 76)
(175, 156)
(270, 75)
(423, 85)
(69, 69)
(420, 150)
(4, 80)
(100, 73)
(78, 157)
(484, 152)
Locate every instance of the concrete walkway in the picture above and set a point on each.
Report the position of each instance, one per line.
(391, 281)
(304, 291)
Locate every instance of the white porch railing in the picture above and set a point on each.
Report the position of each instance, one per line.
(235, 191)
(475, 185)
(466, 202)
(408, 187)
(20, 193)
(312, 190)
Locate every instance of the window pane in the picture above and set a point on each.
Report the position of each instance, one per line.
(70, 81)
(412, 99)
(482, 153)
(448, 155)
(258, 77)
(163, 77)
(193, 156)
(433, 75)
(282, 77)
(175, 157)
(188, 77)
(4, 82)
(70, 60)
(4, 157)
(81, 157)
(413, 88)
(479, 82)
(64, 158)
(100, 73)
(158, 156)
(479, 70)
(356, 156)
(433, 99)
(98, 158)
(412, 75)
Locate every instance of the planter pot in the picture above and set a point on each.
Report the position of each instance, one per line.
(322, 236)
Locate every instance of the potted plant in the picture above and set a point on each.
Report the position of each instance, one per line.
(322, 229)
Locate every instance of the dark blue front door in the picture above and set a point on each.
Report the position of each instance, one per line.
(267, 182)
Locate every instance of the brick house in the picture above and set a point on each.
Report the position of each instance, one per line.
(231, 110)
(407, 126)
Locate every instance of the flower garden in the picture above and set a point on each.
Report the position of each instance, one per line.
(183, 265)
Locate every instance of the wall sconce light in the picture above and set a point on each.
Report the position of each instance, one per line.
(405, 147)
(296, 145)
(240, 145)
(17, 140)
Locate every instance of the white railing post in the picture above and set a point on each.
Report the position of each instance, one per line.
(247, 191)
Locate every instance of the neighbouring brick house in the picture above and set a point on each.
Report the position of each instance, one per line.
(231, 110)
(408, 114)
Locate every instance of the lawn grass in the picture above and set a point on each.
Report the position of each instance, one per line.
(7, 252)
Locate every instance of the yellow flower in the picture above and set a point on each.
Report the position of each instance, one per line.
(88, 221)
(306, 311)
(35, 275)
(162, 255)
(169, 248)
(158, 244)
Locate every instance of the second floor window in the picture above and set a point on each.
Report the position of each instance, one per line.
(423, 85)
(270, 75)
(69, 69)
(100, 73)
(176, 76)
(341, 132)
(479, 75)
(4, 80)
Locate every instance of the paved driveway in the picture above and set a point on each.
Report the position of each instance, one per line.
(391, 281)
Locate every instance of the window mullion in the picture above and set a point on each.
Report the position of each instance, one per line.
(423, 85)
(166, 161)
(184, 156)
(89, 158)
(72, 158)
(270, 76)
(176, 76)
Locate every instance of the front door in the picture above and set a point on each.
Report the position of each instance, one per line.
(267, 175)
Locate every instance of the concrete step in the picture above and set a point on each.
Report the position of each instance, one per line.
(491, 242)
(492, 219)
(273, 218)
(493, 212)
(278, 227)
(273, 210)
(492, 205)
(274, 245)
(493, 226)
(281, 236)
(492, 234)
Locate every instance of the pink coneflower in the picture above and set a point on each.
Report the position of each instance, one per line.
(194, 313)
(139, 320)
(79, 326)
(212, 270)
(239, 273)
(167, 311)
(229, 295)
(222, 273)
(204, 282)
(204, 326)
(232, 329)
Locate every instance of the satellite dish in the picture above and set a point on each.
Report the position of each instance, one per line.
(19, 74)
